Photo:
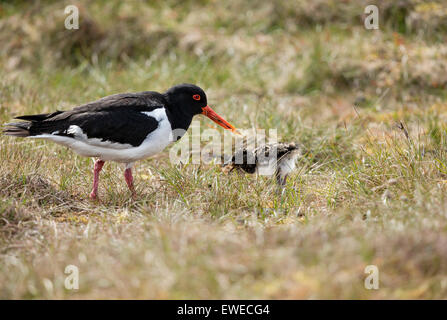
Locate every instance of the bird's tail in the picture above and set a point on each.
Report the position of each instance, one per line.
(17, 129)
(35, 125)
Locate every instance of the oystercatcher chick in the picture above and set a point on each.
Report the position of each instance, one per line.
(123, 127)
(275, 158)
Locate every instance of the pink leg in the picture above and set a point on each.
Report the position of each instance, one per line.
(98, 167)
(129, 180)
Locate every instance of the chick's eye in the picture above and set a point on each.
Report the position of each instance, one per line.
(196, 97)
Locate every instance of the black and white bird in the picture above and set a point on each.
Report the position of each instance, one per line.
(123, 127)
(277, 159)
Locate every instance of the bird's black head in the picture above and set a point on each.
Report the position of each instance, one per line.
(189, 100)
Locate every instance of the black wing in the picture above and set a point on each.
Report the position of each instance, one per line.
(117, 118)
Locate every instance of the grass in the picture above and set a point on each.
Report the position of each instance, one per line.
(368, 106)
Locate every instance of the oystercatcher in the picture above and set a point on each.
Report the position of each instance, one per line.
(268, 159)
(123, 127)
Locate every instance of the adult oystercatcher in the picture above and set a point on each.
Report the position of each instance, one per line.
(268, 159)
(123, 127)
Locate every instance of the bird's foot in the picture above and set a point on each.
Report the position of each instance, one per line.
(94, 197)
(134, 195)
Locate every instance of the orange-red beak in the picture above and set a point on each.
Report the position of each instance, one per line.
(207, 111)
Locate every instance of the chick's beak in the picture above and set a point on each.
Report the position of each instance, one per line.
(210, 113)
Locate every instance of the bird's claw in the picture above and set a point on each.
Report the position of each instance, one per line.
(94, 197)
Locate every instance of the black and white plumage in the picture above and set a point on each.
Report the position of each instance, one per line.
(123, 127)
(277, 159)
(115, 128)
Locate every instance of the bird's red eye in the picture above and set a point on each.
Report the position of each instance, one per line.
(196, 97)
